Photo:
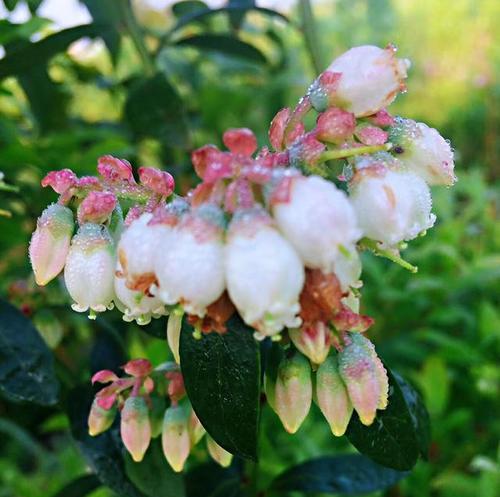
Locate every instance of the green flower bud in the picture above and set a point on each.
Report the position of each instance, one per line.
(135, 427)
(175, 437)
(218, 454)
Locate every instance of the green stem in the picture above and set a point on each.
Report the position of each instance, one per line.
(137, 39)
(392, 255)
(4, 187)
(310, 35)
(350, 152)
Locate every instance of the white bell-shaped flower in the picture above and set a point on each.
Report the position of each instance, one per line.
(89, 269)
(191, 270)
(264, 273)
(391, 206)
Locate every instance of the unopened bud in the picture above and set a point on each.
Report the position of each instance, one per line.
(100, 419)
(293, 392)
(135, 427)
(218, 454)
(174, 327)
(335, 125)
(50, 242)
(196, 430)
(175, 437)
(332, 396)
(313, 341)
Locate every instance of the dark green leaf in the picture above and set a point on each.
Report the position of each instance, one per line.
(236, 18)
(350, 474)
(222, 378)
(26, 363)
(188, 7)
(10, 31)
(154, 109)
(102, 452)
(205, 479)
(26, 56)
(79, 487)
(392, 439)
(228, 45)
(153, 475)
(10, 4)
(33, 5)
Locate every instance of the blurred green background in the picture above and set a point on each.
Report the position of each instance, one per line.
(153, 83)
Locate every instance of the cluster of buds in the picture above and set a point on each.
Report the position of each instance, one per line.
(152, 403)
(271, 234)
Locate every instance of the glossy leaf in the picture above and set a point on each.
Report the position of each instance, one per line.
(349, 474)
(80, 487)
(155, 109)
(222, 379)
(26, 363)
(153, 475)
(227, 45)
(206, 479)
(398, 434)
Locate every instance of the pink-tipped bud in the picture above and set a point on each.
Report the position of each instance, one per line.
(332, 396)
(293, 392)
(218, 454)
(196, 430)
(277, 130)
(371, 135)
(104, 376)
(135, 427)
(240, 141)
(96, 207)
(306, 150)
(335, 125)
(175, 437)
(114, 170)
(174, 327)
(60, 181)
(382, 118)
(211, 164)
(138, 367)
(50, 242)
(361, 376)
(100, 419)
(370, 79)
(314, 341)
(160, 182)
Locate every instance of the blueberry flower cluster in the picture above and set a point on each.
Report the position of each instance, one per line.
(273, 234)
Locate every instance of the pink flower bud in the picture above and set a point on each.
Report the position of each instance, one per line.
(218, 454)
(371, 135)
(332, 396)
(240, 141)
(50, 242)
(362, 378)
(191, 271)
(423, 151)
(277, 130)
(370, 80)
(264, 274)
(318, 220)
(100, 419)
(104, 376)
(293, 393)
(306, 150)
(391, 206)
(96, 207)
(335, 125)
(114, 170)
(382, 118)
(60, 181)
(211, 164)
(89, 269)
(175, 437)
(196, 430)
(174, 327)
(138, 368)
(135, 427)
(159, 182)
(313, 341)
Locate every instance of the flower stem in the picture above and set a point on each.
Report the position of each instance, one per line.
(392, 255)
(350, 152)
(4, 187)
(310, 35)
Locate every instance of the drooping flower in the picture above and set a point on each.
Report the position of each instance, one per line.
(135, 428)
(174, 327)
(219, 455)
(423, 151)
(89, 270)
(391, 206)
(370, 79)
(100, 419)
(50, 242)
(319, 221)
(313, 340)
(191, 271)
(175, 437)
(332, 397)
(264, 273)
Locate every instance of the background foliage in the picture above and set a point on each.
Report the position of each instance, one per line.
(62, 104)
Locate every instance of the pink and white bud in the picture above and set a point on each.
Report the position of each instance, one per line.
(391, 206)
(332, 397)
(60, 181)
(371, 135)
(335, 125)
(175, 437)
(361, 375)
(191, 271)
(174, 327)
(90, 267)
(135, 428)
(196, 430)
(371, 78)
(318, 220)
(50, 242)
(218, 454)
(115, 170)
(314, 341)
(264, 273)
(100, 419)
(293, 392)
(160, 182)
(96, 207)
(423, 151)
